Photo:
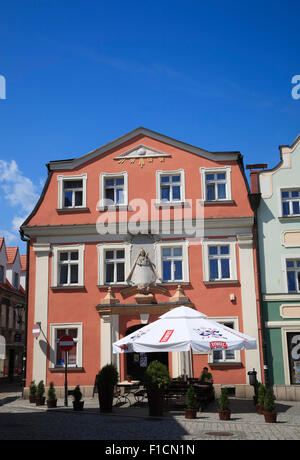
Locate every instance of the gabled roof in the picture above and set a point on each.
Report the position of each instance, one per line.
(1, 241)
(73, 163)
(23, 260)
(11, 253)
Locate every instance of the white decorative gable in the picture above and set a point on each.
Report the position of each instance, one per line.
(141, 151)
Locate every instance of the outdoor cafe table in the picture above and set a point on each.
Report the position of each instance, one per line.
(127, 389)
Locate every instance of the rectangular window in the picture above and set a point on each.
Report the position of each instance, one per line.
(73, 353)
(293, 275)
(216, 186)
(1, 274)
(170, 188)
(219, 262)
(16, 280)
(72, 193)
(172, 264)
(114, 190)
(114, 266)
(290, 202)
(224, 355)
(68, 268)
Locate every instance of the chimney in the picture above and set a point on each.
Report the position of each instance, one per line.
(254, 171)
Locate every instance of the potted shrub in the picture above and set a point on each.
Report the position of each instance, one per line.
(107, 379)
(51, 396)
(32, 392)
(77, 395)
(269, 406)
(191, 403)
(260, 398)
(128, 378)
(156, 379)
(224, 411)
(40, 398)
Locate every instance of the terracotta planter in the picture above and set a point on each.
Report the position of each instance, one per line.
(105, 397)
(40, 401)
(156, 401)
(224, 414)
(190, 413)
(78, 405)
(51, 403)
(259, 409)
(32, 399)
(270, 417)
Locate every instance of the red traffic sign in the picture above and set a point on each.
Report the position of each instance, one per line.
(66, 343)
(36, 330)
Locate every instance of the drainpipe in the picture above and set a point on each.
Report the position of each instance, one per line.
(24, 361)
(254, 198)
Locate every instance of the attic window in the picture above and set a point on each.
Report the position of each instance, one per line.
(72, 191)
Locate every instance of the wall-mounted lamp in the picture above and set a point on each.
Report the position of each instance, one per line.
(19, 309)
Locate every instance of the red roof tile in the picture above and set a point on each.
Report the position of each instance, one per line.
(1, 241)
(23, 262)
(11, 254)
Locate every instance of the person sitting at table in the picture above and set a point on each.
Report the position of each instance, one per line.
(206, 377)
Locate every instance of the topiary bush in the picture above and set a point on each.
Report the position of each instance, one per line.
(157, 376)
(108, 376)
(191, 399)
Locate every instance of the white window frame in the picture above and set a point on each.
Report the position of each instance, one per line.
(102, 202)
(237, 353)
(227, 171)
(231, 242)
(185, 259)
(102, 248)
(61, 179)
(295, 269)
(53, 344)
(56, 250)
(159, 174)
(289, 200)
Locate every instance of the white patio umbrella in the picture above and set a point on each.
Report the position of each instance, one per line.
(183, 329)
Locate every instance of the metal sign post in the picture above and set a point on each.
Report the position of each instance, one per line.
(66, 378)
(66, 343)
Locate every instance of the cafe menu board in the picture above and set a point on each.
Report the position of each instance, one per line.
(293, 343)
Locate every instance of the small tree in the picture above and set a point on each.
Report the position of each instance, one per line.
(77, 395)
(32, 388)
(269, 401)
(51, 392)
(40, 389)
(108, 376)
(223, 400)
(157, 376)
(261, 394)
(191, 399)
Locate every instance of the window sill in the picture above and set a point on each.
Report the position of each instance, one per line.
(218, 202)
(62, 369)
(236, 364)
(71, 210)
(171, 204)
(115, 207)
(287, 218)
(221, 282)
(61, 288)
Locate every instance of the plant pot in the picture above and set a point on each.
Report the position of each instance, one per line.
(190, 413)
(32, 399)
(105, 396)
(40, 401)
(51, 403)
(270, 417)
(129, 380)
(259, 409)
(224, 414)
(156, 401)
(78, 405)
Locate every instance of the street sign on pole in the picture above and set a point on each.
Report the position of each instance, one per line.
(36, 330)
(66, 343)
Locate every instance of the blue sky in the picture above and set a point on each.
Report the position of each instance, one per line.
(81, 73)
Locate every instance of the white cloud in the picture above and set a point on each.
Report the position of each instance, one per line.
(18, 189)
(19, 192)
